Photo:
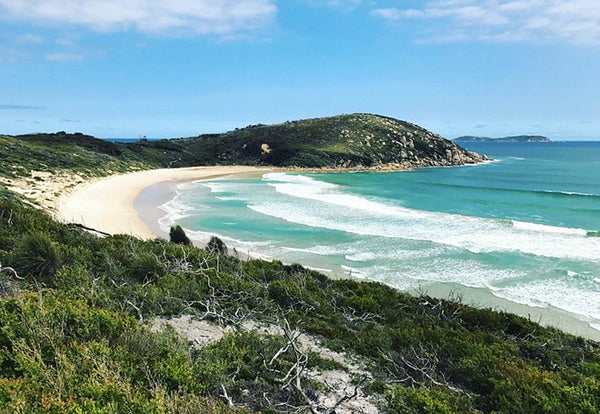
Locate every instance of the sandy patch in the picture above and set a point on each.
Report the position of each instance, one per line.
(44, 188)
(338, 382)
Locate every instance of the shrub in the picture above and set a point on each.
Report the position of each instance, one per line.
(216, 246)
(146, 266)
(177, 235)
(38, 256)
(427, 401)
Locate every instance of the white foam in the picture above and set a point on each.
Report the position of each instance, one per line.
(363, 216)
(217, 186)
(309, 188)
(229, 198)
(559, 293)
(542, 228)
(317, 250)
(241, 245)
(595, 326)
(571, 193)
(465, 273)
(175, 209)
(362, 257)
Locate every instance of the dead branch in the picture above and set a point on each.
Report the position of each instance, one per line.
(138, 310)
(226, 396)
(426, 366)
(10, 270)
(346, 397)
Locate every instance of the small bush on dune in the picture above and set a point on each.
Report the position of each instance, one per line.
(216, 246)
(177, 235)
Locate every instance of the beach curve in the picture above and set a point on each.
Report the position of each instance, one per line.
(107, 204)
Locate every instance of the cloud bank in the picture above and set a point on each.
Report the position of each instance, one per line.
(221, 17)
(575, 21)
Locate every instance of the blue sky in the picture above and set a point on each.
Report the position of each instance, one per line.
(125, 68)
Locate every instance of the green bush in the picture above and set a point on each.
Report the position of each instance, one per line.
(146, 266)
(216, 246)
(38, 256)
(177, 235)
(428, 401)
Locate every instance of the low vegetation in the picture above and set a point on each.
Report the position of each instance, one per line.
(75, 336)
(77, 153)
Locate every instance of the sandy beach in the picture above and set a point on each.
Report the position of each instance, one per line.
(107, 204)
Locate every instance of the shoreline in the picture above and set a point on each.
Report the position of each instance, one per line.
(134, 210)
(481, 298)
(108, 203)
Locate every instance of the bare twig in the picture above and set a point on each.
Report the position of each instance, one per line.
(346, 397)
(226, 396)
(10, 270)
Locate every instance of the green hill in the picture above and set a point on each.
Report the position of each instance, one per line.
(345, 141)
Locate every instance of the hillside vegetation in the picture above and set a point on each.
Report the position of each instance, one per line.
(345, 141)
(75, 336)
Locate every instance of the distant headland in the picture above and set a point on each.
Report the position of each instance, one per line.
(516, 138)
(343, 142)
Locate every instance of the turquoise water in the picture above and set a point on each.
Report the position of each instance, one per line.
(524, 228)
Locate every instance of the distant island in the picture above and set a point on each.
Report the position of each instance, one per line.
(516, 138)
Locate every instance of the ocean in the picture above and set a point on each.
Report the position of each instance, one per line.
(521, 233)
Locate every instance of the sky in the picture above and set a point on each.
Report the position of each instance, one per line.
(131, 68)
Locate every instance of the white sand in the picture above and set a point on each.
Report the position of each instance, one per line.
(107, 204)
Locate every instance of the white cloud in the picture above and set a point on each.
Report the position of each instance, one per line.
(344, 3)
(222, 17)
(63, 57)
(391, 13)
(31, 38)
(576, 21)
